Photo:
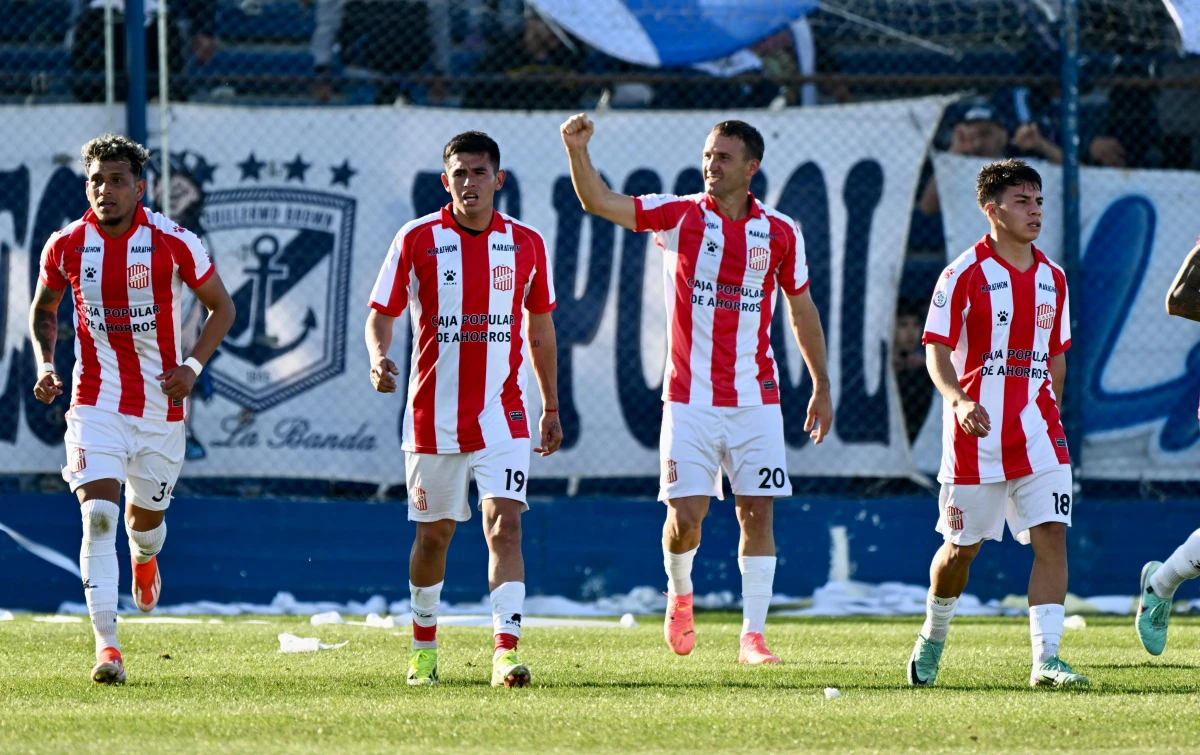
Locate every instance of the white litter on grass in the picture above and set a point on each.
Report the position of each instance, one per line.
(290, 643)
(58, 619)
(6, 616)
(836, 598)
(628, 622)
(485, 620)
(327, 617)
(831, 693)
(1074, 622)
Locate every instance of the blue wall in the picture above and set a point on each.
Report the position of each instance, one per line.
(229, 549)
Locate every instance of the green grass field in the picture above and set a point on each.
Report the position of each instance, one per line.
(225, 688)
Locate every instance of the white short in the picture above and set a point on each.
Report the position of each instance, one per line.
(972, 513)
(697, 442)
(438, 483)
(145, 454)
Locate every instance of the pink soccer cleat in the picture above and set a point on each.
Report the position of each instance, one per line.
(147, 584)
(754, 650)
(679, 627)
(109, 668)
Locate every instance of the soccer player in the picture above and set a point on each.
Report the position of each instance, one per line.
(124, 265)
(467, 274)
(995, 337)
(727, 254)
(1161, 578)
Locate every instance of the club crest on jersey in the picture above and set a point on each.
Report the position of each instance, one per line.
(756, 258)
(1045, 316)
(502, 278)
(139, 276)
(78, 460)
(284, 253)
(672, 473)
(418, 499)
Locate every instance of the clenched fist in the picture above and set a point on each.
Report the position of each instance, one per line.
(577, 131)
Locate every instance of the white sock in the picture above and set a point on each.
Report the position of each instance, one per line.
(938, 612)
(425, 602)
(508, 601)
(679, 571)
(98, 565)
(146, 545)
(758, 577)
(1184, 564)
(1045, 631)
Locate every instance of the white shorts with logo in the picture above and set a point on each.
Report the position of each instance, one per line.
(438, 483)
(972, 513)
(697, 442)
(145, 454)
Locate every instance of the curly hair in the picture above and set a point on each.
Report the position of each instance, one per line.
(116, 148)
(993, 179)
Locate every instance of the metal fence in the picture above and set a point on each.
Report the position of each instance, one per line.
(874, 111)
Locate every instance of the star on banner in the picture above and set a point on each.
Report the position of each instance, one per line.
(203, 171)
(251, 167)
(342, 174)
(297, 168)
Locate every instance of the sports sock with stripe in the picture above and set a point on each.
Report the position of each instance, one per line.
(424, 603)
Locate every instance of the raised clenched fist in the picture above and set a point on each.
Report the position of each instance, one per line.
(577, 131)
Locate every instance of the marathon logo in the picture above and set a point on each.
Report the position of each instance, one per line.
(761, 234)
(514, 248)
(87, 249)
(436, 250)
(141, 250)
(1048, 287)
(985, 288)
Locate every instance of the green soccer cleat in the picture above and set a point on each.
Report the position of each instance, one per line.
(507, 671)
(1152, 613)
(923, 663)
(422, 667)
(1057, 673)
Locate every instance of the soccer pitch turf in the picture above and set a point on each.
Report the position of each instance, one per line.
(224, 688)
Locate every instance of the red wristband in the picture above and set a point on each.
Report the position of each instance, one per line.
(544, 411)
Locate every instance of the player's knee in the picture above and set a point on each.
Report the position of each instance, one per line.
(503, 530)
(1049, 539)
(434, 537)
(958, 556)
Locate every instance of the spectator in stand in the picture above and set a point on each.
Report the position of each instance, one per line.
(539, 49)
(983, 131)
(389, 37)
(908, 362)
(191, 20)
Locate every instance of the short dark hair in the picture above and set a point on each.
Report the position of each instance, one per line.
(473, 143)
(116, 148)
(996, 177)
(749, 136)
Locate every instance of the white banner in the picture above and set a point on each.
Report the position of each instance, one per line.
(298, 207)
(1141, 367)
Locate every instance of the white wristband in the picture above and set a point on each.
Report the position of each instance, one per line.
(194, 364)
(48, 367)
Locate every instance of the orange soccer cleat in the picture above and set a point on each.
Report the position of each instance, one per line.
(109, 667)
(754, 650)
(679, 627)
(147, 584)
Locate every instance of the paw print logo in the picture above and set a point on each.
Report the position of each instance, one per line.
(449, 276)
(1002, 318)
(710, 247)
(90, 273)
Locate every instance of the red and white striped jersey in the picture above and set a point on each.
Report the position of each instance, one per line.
(720, 277)
(1004, 326)
(465, 296)
(127, 308)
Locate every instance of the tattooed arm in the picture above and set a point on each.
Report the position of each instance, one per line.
(43, 328)
(543, 351)
(1183, 298)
